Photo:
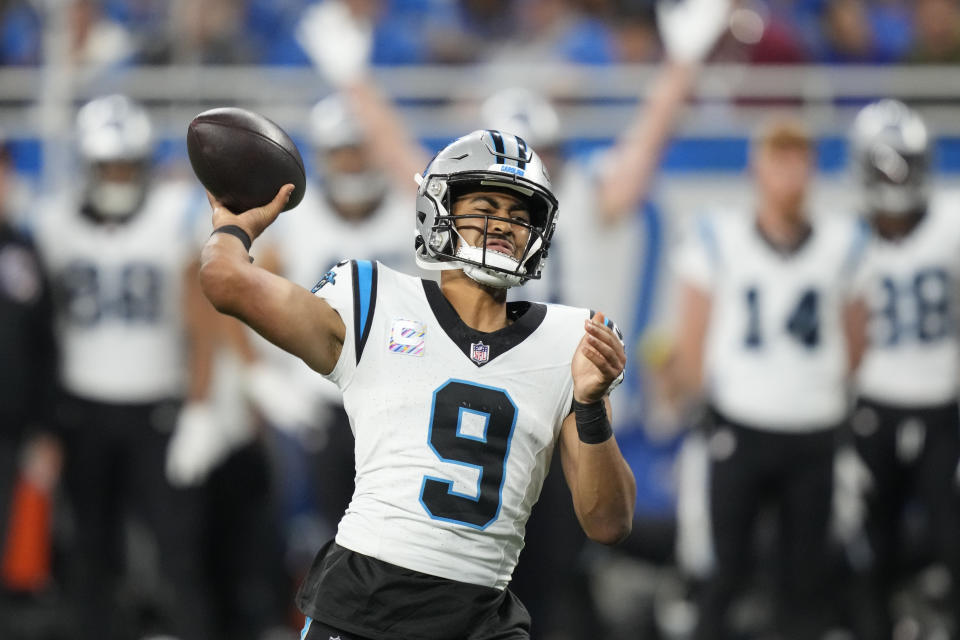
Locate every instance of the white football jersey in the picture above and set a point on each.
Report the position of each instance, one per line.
(119, 294)
(911, 288)
(312, 238)
(776, 354)
(454, 428)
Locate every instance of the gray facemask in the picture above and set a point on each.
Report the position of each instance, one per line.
(115, 199)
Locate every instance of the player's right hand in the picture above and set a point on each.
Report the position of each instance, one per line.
(255, 220)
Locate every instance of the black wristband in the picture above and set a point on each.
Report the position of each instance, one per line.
(593, 427)
(237, 232)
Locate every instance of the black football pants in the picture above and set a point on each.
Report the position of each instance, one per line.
(750, 470)
(115, 469)
(912, 454)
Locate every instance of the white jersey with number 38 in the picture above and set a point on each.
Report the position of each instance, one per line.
(911, 288)
(776, 354)
(454, 428)
(120, 289)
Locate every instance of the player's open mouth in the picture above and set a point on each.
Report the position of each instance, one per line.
(500, 246)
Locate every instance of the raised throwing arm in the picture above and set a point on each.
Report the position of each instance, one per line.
(284, 313)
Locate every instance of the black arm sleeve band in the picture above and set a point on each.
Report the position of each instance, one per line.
(593, 427)
(237, 232)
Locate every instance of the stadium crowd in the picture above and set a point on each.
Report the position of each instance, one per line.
(789, 406)
(121, 32)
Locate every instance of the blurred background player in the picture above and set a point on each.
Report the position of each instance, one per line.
(906, 426)
(769, 332)
(135, 338)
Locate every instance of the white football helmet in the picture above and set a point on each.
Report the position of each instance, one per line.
(890, 149)
(334, 127)
(114, 131)
(478, 161)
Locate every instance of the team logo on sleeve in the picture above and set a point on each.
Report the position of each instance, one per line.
(408, 337)
(329, 277)
(479, 352)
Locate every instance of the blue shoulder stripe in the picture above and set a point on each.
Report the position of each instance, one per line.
(364, 301)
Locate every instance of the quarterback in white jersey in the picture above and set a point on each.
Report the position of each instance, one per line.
(770, 331)
(133, 335)
(906, 427)
(456, 399)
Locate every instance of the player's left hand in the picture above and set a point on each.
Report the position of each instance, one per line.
(598, 361)
(255, 220)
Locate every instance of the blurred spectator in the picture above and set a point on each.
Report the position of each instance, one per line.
(761, 34)
(95, 39)
(855, 31)
(202, 32)
(634, 32)
(552, 31)
(470, 29)
(937, 38)
(21, 37)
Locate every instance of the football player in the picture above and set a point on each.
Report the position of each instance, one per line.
(906, 423)
(456, 398)
(131, 324)
(770, 332)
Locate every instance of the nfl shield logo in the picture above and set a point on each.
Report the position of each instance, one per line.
(479, 352)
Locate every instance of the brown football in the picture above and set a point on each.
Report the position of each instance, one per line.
(243, 158)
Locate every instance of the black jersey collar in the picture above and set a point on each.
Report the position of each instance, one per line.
(479, 346)
(786, 250)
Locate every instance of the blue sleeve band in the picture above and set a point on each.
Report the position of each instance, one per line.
(364, 301)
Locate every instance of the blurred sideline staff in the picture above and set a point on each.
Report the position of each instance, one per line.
(770, 332)
(131, 324)
(27, 349)
(906, 426)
